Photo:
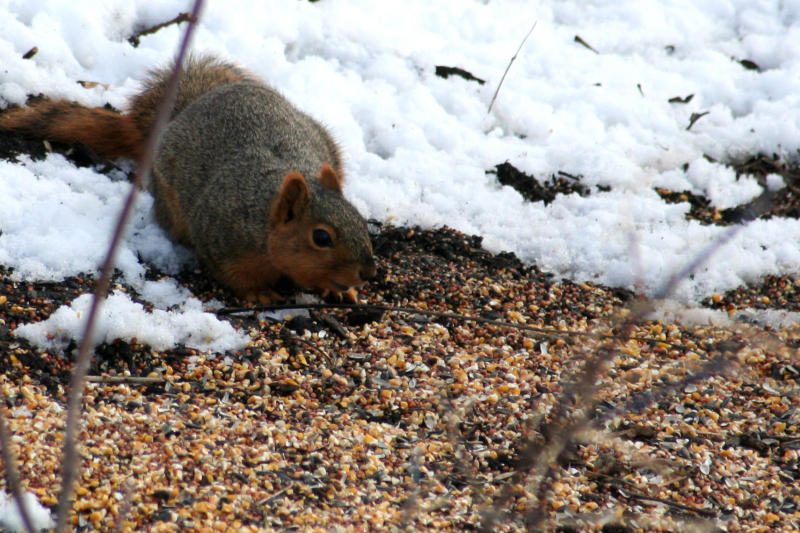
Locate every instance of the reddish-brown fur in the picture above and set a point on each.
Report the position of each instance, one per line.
(107, 132)
(176, 225)
(249, 275)
(329, 178)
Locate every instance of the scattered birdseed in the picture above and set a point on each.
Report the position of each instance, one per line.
(420, 422)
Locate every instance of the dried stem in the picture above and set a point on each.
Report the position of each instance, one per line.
(635, 495)
(513, 58)
(125, 508)
(70, 457)
(564, 427)
(131, 380)
(695, 263)
(182, 17)
(12, 473)
(448, 316)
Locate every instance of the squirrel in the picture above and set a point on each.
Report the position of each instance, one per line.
(243, 178)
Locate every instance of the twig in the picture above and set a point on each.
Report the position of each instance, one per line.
(182, 17)
(563, 174)
(703, 255)
(561, 431)
(514, 57)
(70, 456)
(331, 323)
(538, 456)
(623, 485)
(696, 261)
(628, 493)
(12, 473)
(447, 316)
(409, 509)
(273, 497)
(133, 380)
(125, 508)
(285, 332)
(641, 401)
(789, 443)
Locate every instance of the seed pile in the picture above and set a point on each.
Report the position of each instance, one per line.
(367, 420)
(774, 292)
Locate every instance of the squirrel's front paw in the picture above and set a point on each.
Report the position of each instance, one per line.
(349, 296)
(264, 297)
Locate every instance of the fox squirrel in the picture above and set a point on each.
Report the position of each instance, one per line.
(231, 178)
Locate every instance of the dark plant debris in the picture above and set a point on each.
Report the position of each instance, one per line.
(445, 72)
(578, 39)
(695, 117)
(783, 202)
(681, 99)
(532, 190)
(749, 64)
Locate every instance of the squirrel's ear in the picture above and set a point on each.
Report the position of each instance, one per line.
(292, 200)
(330, 179)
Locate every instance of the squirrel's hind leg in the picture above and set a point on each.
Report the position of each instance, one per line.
(251, 276)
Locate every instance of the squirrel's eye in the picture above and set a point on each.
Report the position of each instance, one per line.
(322, 238)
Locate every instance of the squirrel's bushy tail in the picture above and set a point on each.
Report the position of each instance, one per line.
(106, 132)
(112, 134)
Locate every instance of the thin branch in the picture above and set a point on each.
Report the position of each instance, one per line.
(716, 366)
(561, 430)
(12, 473)
(132, 380)
(699, 259)
(627, 490)
(331, 323)
(759, 207)
(409, 509)
(125, 508)
(631, 494)
(448, 316)
(624, 487)
(182, 17)
(286, 333)
(513, 58)
(70, 456)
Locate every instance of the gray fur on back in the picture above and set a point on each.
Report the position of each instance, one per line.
(219, 141)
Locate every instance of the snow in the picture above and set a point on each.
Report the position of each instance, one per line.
(121, 318)
(418, 147)
(10, 519)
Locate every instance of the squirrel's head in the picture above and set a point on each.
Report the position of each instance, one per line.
(316, 237)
